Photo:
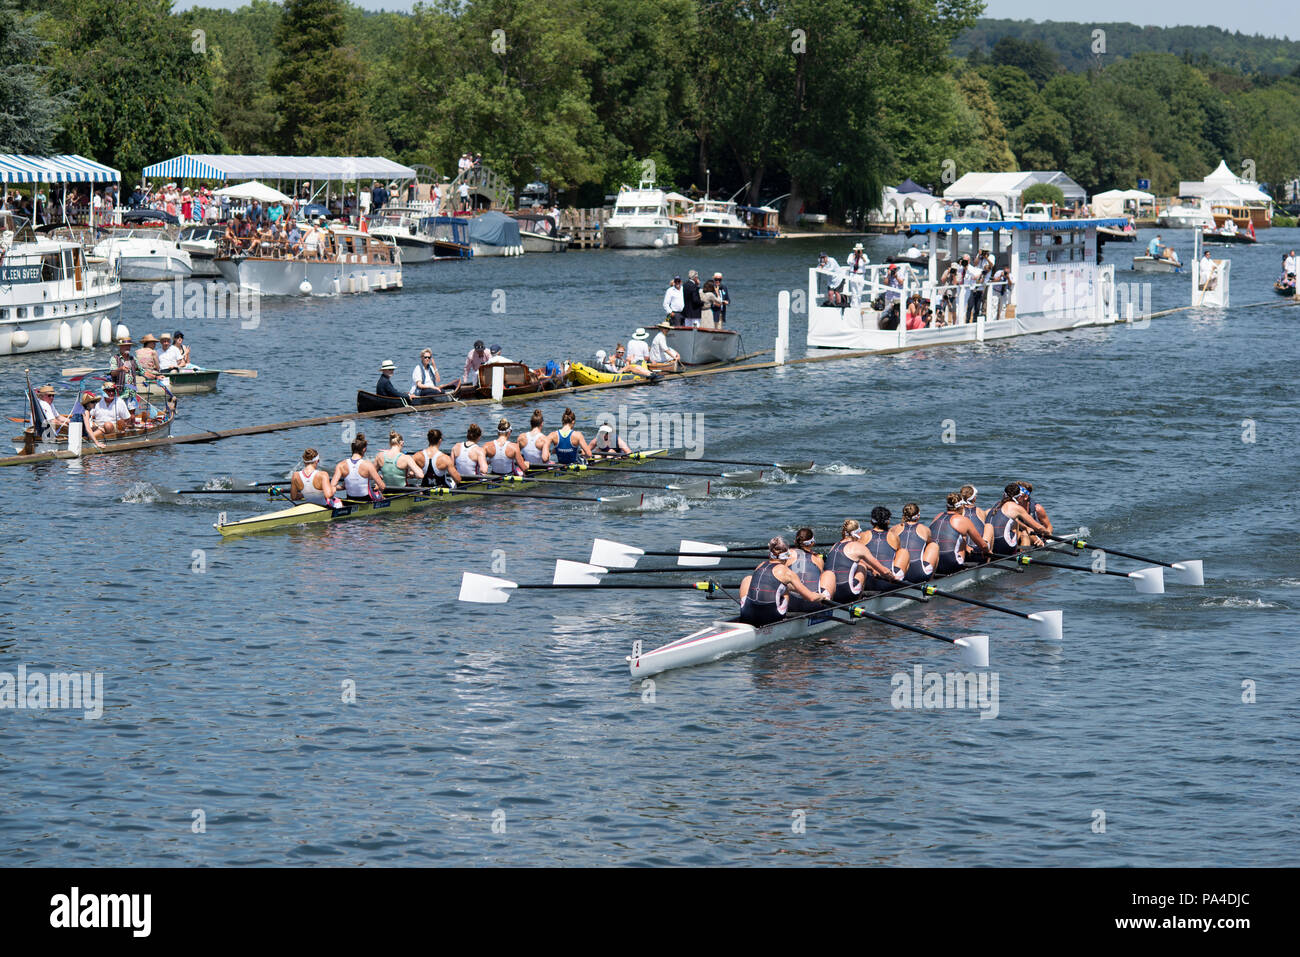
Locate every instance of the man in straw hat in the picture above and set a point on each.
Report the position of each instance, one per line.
(385, 385)
(45, 405)
(858, 261)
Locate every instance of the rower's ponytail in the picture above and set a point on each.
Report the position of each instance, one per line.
(910, 511)
(954, 500)
(394, 437)
(848, 528)
(880, 517)
(568, 418)
(804, 538)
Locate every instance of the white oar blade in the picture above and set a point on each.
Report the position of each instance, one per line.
(1188, 573)
(1047, 624)
(974, 650)
(698, 561)
(631, 500)
(1149, 581)
(577, 573)
(484, 589)
(794, 466)
(610, 554)
(743, 476)
(692, 489)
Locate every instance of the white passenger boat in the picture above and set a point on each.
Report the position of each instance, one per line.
(52, 298)
(200, 242)
(719, 222)
(699, 347)
(640, 219)
(733, 637)
(145, 255)
(351, 261)
(1155, 264)
(400, 225)
(1185, 214)
(1056, 282)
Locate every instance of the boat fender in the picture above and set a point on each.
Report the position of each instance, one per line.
(304, 287)
(19, 338)
(105, 330)
(122, 331)
(65, 337)
(87, 335)
(336, 286)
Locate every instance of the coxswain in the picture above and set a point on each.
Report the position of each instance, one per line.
(45, 402)
(850, 565)
(1035, 509)
(609, 443)
(568, 441)
(503, 455)
(396, 467)
(951, 531)
(884, 548)
(914, 538)
(468, 455)
(356, 473)
(764, 592)
(808, 565)
(438, 468)
(310, 484)
(1013, 526)
(534, 444)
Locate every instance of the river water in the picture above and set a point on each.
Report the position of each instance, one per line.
(513, 735)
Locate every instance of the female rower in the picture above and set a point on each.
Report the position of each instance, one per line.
(397, 468)
(884, 548)
(764, 592)
(1034, 509)
(568, 441)
(850, 564)
(310, 484)
(534, 444)
(357, 474)
(503, 455)
(1013, 526)
(469, 458)
(914, 538)
(951, 531)
(807, 565)
(438, 468)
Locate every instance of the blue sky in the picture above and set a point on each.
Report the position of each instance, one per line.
(1267, 17)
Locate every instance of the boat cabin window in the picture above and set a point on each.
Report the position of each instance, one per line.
(51, 266)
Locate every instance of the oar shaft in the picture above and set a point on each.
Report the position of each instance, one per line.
(975, 601)
(862, 613)
(679, 571)
(1078, 568)
(1112, 551)
(624, 586)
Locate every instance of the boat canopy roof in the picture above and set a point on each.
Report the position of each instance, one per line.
(238, 167)
(992, 225)
(63, 168)
(495, 229)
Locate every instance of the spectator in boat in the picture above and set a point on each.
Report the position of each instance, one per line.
(674, 301)
(123, 367)
(275, 211)
(1154, 247)
(497, 357)
(385, 385)
(146, 357)
(255, 212)
(691, 301)
(45, 402)
(661, 351)
(311, 242)
(187, 206)
(710, 303)
(138, 198)
(477, 357)
(89, 406)
(112, 416)
(294, 239)
(1289, 264)
(915, 313)
(724, 299)
(424, 377)
(175, 354)
(638, 348)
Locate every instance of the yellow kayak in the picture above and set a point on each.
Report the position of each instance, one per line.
(580, 374)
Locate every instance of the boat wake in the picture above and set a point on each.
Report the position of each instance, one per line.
(839, 468)
(1232, 601)
(146, 493)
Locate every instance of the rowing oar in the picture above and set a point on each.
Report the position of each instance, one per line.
(783, 466)
(242, 373)
(688, 487)
(1185, 573)
(582, 573)
(486, 590)
(1148, 581)
(612, 554)
(1046, 623)
(461, 490)
(747, 476)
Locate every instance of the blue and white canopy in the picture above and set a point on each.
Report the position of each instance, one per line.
(315, 168)
(64, 168)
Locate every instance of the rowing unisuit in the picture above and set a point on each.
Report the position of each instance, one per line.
(467, 455)
(764, 592)
(568, 442)
(886, 553)
(504, 457)
(356, 473)
(438, 468)
(808, 566)
(1012, 524)
(913, 537)
(533, 443)
(309, 483)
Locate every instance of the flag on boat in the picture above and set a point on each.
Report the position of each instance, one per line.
(42, 426)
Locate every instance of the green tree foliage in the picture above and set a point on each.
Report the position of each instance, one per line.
(1034, 57)
(241, 49)
(29, 112)
(138, 89)
(319, 83)
(1042, 193)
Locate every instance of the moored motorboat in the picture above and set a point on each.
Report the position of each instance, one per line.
(350, 261)
(200, 242)
(640, 219)
(145, 255)
(719, 222)
(400, 225)
(1227, 235)
(700, 346)
(495, 234)
(540, 233)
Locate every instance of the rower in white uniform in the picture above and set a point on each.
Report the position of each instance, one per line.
(468, 455)
(503, 455)
(356, 473)
(534, 444)
(607, 442)
(311, 484)
(438, 468)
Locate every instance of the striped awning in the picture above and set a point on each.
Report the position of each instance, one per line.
(239, 168)
(63, 168)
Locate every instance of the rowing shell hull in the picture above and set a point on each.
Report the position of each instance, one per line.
(725, 638)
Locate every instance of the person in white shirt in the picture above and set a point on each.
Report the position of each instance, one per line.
(835, 286)
(45, 400)
(674, 301)
(111, 414)
(171, 357)
(638, 348)
(858, 261)
(660, 351)
(1289, 263)
(424, 377)
(497, 357)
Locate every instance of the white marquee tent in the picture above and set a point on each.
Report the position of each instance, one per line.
(1004, 189)
(1224, 186)
(1113, 201)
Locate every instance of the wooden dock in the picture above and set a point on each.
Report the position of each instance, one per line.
(586, 226)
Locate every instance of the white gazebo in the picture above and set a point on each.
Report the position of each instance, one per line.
(1004, 189)
(1116, 202)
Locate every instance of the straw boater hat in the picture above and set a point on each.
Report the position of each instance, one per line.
(640, 334)
(148, 339)
(45, 390)
(88, 398)
(857, 248)
(386, 365)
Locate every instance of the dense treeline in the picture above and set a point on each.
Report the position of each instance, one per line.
(823, 99)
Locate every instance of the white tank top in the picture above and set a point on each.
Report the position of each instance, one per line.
(501, 463)
(532, 454)
(354, 483)
(464, 464)
(310, 493)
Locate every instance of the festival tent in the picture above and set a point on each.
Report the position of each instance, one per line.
(311, 168)
(1113, 201)
(907, 186)
(1224, 186)
(1004, 189)
(253, 190)
(63, 168)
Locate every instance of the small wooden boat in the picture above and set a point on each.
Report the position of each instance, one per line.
(372, 402)
(184, 382)
(1285, 287)
(1220, 237)
(1113, 234)
(688, 231)
(157, 425)
(1154, 264)
(699, 346)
